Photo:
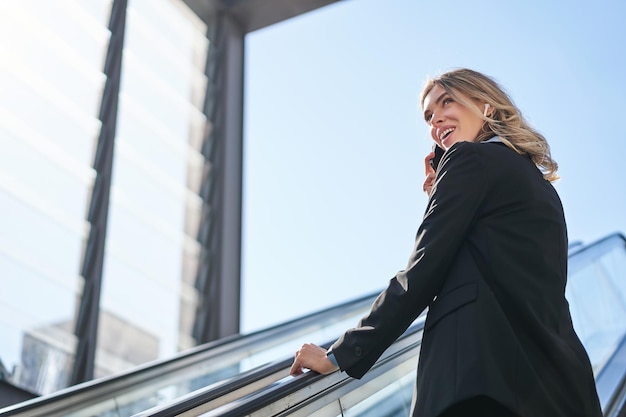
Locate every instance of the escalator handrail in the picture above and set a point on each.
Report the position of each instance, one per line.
(109, 386)
(611, 381)
(274, 392)
(580, 255)
(243, 381)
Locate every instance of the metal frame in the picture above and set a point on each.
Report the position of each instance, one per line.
(86, 329)
(252, 15)
(217, 280)
(219, 276)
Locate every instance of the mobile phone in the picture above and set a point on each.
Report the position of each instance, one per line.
(438, 154)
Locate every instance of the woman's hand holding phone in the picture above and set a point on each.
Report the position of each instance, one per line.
(429, 182)
(431, 162)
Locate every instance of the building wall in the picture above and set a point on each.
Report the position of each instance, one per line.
(52, 56)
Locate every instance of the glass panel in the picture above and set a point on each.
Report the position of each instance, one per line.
(597, 296)
(98, 9)
(27, 233)
(26, 110)
(150, 246)
(48, 62)
(144, 187)
(37, 338)
(67, 22)
(382, 398)
(50, 83)
(64, 188)
(144, 135)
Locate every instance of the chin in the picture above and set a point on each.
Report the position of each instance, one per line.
(447, 145)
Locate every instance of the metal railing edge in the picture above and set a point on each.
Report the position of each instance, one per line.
(271, 393)
(73, 395)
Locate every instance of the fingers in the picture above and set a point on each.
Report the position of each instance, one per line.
(430, 180)
(429, 171)
(302, 355)
(296, 368)
(312, 357)
(429, 183)
(427, 168)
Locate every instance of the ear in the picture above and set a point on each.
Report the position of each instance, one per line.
(489, 110)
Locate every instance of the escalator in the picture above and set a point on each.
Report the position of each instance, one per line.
(597, 295)
(596, 292)
(234, 366)
(385, 390)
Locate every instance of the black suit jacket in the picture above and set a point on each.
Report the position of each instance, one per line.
(490, 262)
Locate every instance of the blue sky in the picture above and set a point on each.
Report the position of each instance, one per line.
(334, 140)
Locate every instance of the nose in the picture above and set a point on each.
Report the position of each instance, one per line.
(436, 118)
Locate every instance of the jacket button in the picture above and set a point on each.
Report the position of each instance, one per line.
(358, 351)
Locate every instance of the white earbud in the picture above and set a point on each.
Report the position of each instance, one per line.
(486, 110)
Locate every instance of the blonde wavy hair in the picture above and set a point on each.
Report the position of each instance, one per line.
(505, 120)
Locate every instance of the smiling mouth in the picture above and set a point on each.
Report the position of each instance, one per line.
(446, 133)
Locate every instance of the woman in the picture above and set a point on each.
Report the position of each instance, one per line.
(490, 262)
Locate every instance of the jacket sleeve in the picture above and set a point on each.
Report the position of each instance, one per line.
(452, 209)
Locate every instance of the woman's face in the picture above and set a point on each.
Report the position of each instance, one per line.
(450, 122)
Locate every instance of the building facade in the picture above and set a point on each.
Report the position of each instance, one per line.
(120, 181)
(102, 131)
